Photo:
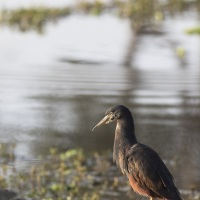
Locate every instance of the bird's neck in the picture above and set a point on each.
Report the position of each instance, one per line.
(124, 140)
(125, 133)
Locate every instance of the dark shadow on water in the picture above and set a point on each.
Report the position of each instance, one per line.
(81, 62)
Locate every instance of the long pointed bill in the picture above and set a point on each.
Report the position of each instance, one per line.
(105, 120)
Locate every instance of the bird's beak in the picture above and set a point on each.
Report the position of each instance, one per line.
(105, 120)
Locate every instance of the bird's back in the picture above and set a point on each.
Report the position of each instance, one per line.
(148, 174)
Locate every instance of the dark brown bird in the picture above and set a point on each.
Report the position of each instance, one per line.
(147, 173)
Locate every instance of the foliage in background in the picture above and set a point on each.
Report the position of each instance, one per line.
(193, 31)
(32, 18)
(141, 12)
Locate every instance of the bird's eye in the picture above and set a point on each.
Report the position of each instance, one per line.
(112, 118)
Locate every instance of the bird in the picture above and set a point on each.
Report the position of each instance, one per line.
(146, 172)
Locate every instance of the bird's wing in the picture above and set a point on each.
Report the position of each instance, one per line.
(148, 170)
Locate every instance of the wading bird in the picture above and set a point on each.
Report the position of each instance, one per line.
(147, 173)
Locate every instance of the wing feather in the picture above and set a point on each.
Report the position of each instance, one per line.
(149, 171)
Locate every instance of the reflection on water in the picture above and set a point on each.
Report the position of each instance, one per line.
(54, 88)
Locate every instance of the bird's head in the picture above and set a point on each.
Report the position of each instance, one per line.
(114, 113)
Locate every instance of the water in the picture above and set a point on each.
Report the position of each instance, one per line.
(55, 87)
(9, 4)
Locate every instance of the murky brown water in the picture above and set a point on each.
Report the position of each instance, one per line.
(55, 87)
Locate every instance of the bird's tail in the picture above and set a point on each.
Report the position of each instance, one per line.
(175, 195)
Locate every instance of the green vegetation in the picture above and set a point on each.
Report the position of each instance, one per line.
(94, 8)
(33, 18)
(69, 175)
(180, 52)
(193, 31)
(142, 13)
(61, 176)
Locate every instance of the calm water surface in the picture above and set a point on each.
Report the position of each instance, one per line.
(55, 87)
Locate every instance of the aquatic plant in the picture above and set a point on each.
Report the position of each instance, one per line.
(61, 175)
(68, 175)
